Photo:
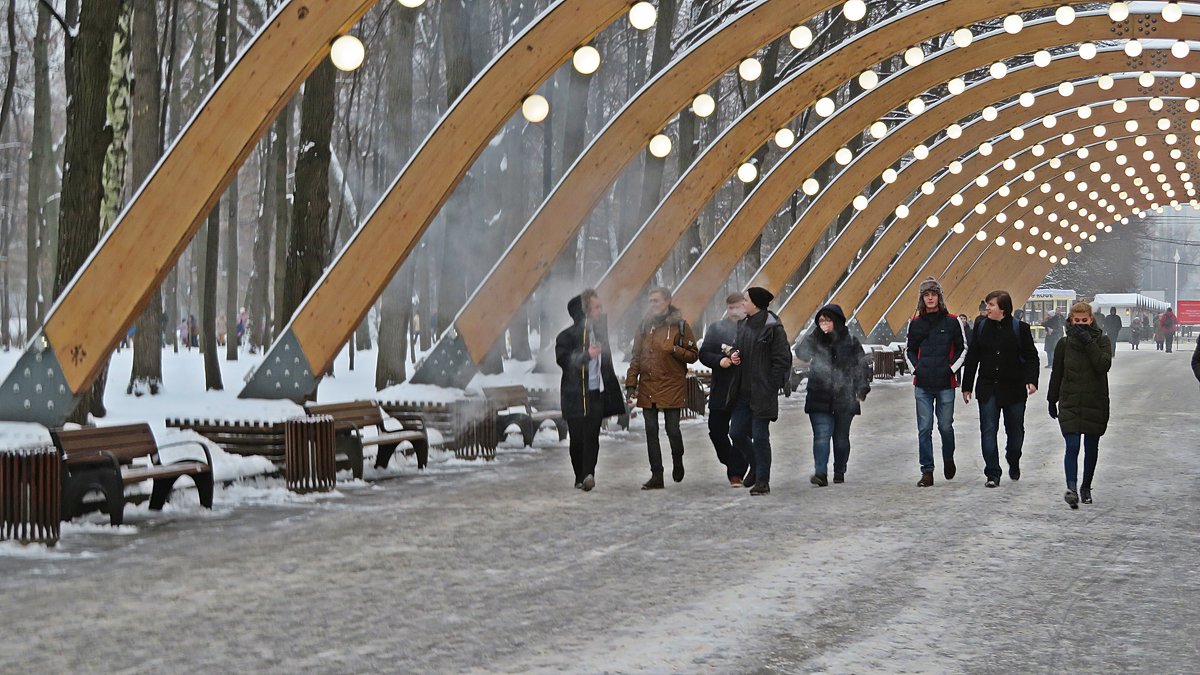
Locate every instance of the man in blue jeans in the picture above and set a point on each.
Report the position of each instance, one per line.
(937, 348)
(1002, 369)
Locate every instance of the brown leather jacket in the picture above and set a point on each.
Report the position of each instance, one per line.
(658, 367)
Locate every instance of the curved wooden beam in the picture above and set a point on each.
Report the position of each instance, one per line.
(132, 259)
(337, 304)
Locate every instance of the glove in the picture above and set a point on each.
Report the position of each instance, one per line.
(1053, 410)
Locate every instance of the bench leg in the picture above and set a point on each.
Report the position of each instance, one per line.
(529, 429)
(204, 487)
(161, 492)
(104, 482)
(385, 455)
(422, 450)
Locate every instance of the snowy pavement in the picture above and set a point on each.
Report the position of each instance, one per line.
(504, 567)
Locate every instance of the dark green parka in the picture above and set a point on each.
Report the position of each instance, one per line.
(1079, 380)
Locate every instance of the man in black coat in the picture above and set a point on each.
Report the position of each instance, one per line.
(718, 343)
(763, 366)
(1002, 367)
(937, 347)
(589, 388)
(1112, 327)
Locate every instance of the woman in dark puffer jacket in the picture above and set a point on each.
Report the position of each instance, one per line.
(837, 383)
(1078, 396)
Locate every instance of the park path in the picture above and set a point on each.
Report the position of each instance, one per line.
(505, 568)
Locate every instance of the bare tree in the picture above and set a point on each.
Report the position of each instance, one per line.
(208, 301)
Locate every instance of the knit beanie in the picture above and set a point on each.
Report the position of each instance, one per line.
(760, 296)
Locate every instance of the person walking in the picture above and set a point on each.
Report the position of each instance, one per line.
(1135, 331)
(1158, 332)
(763, 366)
(937, 348)
(1002, 368)
(837, 385)
(589, 388)
(1168, 322)
(1053, 323)
(718, 342)
(657, 379)
(1112, 328)
(1078, 397)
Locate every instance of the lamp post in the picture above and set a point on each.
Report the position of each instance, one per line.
(1176, 258)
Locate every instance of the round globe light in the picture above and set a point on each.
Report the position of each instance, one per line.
(878, 130)
(1065, 15)
(810, 187)
(1172, 12)
(921, 151)
(785, 138)
(854, 10)
(1026, 99)
(962, 37)
(1180, 49)
(981, 235)
(1049, 121)
(747, 172)
(1119, 106)
(1066, 89)
(1187, 80)
(824, 107)
(868, 79)
(955, 167)
(902, 211)
(990, 113)
(916, 106)
(932, 221)
(660, 145)
(913, 56)
(889, 176)
(985, 148)
(843, 156)
(959, 228)
(1146, 79)
(1013, 23)
(1017, 133)
(347, 53)
(1105, 82)
(704, 105)
(586, 60)
(1191, 105)
(954, 131)
(801, 37)
(1155, 104)
(1087, 51)
(750, 69)
(1133, 48)
(928, 188)
(1118, 11)
(998, 70)
(860, 203)
(1041, 58)
(956, 86)
(411, 4)
(535, 108)
(643, 15)
(1000, 241)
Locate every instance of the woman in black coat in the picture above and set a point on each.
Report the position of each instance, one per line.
(837, 384)
(1078, 396)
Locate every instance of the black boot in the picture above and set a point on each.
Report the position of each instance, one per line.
(677, 469)
(948, 468)
(655, 482)
(748, 481)
(761, 488)
(839, 478)
(1072, 499)
(926, 479)
(819, 480)
(1085, 495)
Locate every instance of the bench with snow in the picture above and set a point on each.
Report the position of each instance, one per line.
(361, 423)
(466, 426)
(101, 459)
(513, 406)
(256, 438)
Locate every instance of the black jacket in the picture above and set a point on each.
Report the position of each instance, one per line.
(999, 364)
(837, 378)
(723, 332)
(571, 353)
(1079, 380)
(1112, 326)
(766, 364)
(937, 348)
(1196, 361)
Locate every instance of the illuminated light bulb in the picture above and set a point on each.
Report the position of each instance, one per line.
(347, 53)
(1041, 58)
(1038, 150)
(1016, 246)
(860, 203)
(843, 156)
(981, 181)
(660, 145)
(878, 130)
(1068, 139)
(868, 79)
(1110, 146)
(1000, 241)
(1087, 51)
(411, 4)
(747, 172)
(921, 151)
(1064, 15)
(750, 69)
(962, 37)
(1191, 105)
(586, 60)
(1119, 106)
(811, 187)
(1082, 153)
(916, 106)
(998, 70)
(1049, 121)
(1010, 164)
(535, 108)
(1017, 133)
(1053, 259)
(955, 167)
(1105, 82)
(1083, 112)
(913, 56)
(1026, 99)
(981, 208)
(990, 113)
(1180, 49)
(902, 211)
(956, 86)
(985, 148)
(643, 15)
(1146, 79)
(1133, 48)
(1013, 23)
(959, 228)
(1063, 261)
(704, 105)
(1172, 12)
(785, 137)
(981, 235)
(1066, 89)
(928, 188)
(1019, 224)
(1023, 202)
(956, 200)
(1131, 125)
(824, 107)
(1187, 80)
(801, 37)
(1163, 124)
(889, 176)
(854, 10)
(932, 221)
(1031, 250)
(1118, 11)
(954, 131)
(1042, 253)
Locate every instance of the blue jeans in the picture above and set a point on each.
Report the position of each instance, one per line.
(989, 427)
(929, 401)
(736, 458)
(754, 432)
(826, 427)
(1091, 451)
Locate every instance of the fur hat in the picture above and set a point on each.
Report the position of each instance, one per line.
(930, 284)
(760, 296)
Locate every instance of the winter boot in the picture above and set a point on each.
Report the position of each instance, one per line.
(578, 485)
(1014, 471)
(819, 480)
(1085, 495)
(839, 478)
(655, 482)
(1072, 499)
(948, 468)
(588, 483)
(677, 469)
(734, 481)
(761, 488)
(748, 481)
(926, 479)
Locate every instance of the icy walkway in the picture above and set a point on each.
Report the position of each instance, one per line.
(506, 568)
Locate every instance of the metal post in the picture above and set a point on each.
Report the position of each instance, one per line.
(1176, 279)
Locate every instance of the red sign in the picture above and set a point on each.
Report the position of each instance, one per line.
(1188, 312)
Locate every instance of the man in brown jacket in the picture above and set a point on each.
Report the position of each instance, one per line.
(657, 379)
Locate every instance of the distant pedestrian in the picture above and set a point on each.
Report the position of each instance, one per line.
(837, 385)
(937, 348)
(1078, 397)
(1053, 323)
(1112, 328)
(715, 350)
(1168, 322)
(657, 379)
(763, 366)
(1135, 331)
(1158, 332)
(1002, 368)
(589, 387)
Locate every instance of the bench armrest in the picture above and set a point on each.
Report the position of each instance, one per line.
(99, 457)
(207, 455)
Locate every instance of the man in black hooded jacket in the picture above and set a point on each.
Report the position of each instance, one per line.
(718, 343)
(589, 388)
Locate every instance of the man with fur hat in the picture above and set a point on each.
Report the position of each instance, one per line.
(657, 379)
(762, 365)
(937, 348)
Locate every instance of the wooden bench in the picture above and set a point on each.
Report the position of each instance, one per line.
(101, 459)
(361, 423)
(257, 438)
(467, 426)
(504, 399)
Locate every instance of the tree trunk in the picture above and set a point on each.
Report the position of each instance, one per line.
(169, 125)
(87, 140)
(208, 300)
(258, 287)
(283, 227)
(39, 167)
(146, 374)
(308, 243)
